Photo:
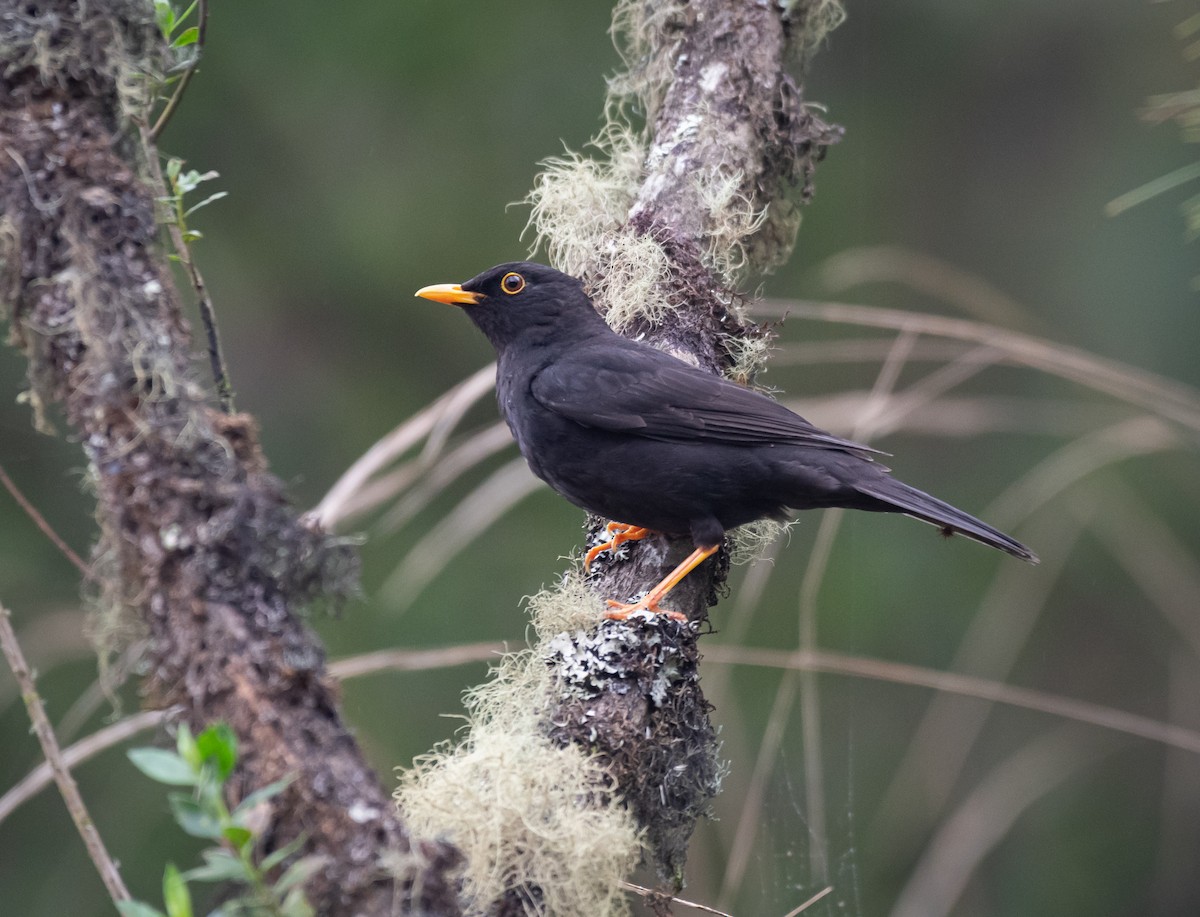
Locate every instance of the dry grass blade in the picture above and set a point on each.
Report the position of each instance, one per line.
(893, 413)
(985, 817)
(453, 404)
(475, 449)
(1156, 394)
(412, 660)
(1141, 543)
(810, 713)
(966, 685)
(862, 350)
(505, 488)
(942, 741)
(1141, 435)
(101, 740)
(961, 417)
(764, 762)
(827, 890)
(925, 274)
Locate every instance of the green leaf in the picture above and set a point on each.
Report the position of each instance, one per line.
(164, 15)
(219, 744)
(296, 905)
(185, 744)
(275, 858)
(300, 871)
(262, 794)
(221, 866)
(138, 909)
(176, 896)
(193, 818)
(163, 766)
(238, 836)
(187, 37)
(191, 180)
(173, 166)
(204, 203)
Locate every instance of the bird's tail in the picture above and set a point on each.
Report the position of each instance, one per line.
(899, 497)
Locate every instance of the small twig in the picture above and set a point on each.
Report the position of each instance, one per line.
(40, 521)
(828, 889)
(333, 506)
(109, 874)
(208, 314)
(407, 660)
(651, 893)
(177, 95)
(73, 755)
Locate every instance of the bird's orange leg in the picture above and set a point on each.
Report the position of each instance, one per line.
(619, 611)
(619, 533)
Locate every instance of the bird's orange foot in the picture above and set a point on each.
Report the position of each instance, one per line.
(649, 602)
(619, 533)
(619, 611)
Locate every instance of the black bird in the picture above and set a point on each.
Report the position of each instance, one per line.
(630, 433)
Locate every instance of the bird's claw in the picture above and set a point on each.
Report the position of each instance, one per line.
(619, 611)
(619, 533)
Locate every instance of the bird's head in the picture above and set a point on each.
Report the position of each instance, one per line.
(520, 298)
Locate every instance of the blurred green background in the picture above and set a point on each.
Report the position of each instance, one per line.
(372, 148)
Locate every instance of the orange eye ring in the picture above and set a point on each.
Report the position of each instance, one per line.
(512, 283)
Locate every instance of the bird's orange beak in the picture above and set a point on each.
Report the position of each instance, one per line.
(452, 294)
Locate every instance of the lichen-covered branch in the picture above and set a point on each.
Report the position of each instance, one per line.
(199, 552)
(726, 157)
(707, 151)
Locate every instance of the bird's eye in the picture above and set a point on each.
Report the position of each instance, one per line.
(512, 283)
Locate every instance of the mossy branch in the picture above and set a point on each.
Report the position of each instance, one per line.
(707, 149)
(199, 551)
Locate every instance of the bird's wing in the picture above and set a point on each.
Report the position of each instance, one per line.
(641, 391)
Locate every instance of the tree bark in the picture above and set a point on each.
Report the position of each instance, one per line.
(199, 550)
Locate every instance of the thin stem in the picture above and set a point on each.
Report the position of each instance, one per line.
(1157, 394)
(40, 521)
(177, 95)
(109, 874)
(902, 673)
(1158, 186)
(208, 315)
(86, 748)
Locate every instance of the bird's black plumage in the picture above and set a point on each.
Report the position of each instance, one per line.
(633, 434)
